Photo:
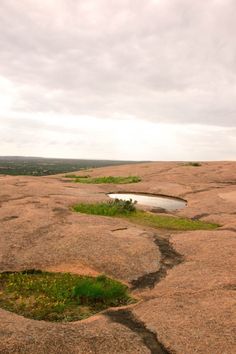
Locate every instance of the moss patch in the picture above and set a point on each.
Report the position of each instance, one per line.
(105, 179)
(59, 296)
(142, 217)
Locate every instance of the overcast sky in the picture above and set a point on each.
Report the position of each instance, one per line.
(121, 79)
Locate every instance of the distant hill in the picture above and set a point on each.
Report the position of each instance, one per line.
(14, 158)
(41, 166)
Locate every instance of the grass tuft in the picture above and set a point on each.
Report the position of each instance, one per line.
(102, 290)
(59, 296)
(119, 208)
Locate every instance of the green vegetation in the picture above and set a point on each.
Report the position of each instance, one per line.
(194, 164)
(59, 296)
(127, 209)
(105, 179)
(116, 207)
(36, 166)
(169, 222)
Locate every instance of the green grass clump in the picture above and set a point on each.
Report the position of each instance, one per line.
(127, 210)
(108, 179)
(59, 296)
(116, 207)
(101, 289)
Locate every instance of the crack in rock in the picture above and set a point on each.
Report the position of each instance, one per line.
(127, 319)
(8, 218)
(169, 258)
(120, 229)
(201, 190)
(199, 216)
(233, 229)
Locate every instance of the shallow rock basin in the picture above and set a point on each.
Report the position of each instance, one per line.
(158, 202)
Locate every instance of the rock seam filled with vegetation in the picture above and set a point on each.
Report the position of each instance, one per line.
(126, 209)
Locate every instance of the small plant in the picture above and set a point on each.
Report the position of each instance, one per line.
(105, 179)
(59, 296)
(116, 207)
(124, 205)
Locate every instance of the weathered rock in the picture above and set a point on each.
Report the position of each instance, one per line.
(189, 308)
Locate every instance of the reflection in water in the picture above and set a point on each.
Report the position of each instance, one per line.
(166, 203)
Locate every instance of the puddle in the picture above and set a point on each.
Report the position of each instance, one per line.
(167, 203)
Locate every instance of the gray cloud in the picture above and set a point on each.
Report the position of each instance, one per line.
(169, 61)
(57, 136)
